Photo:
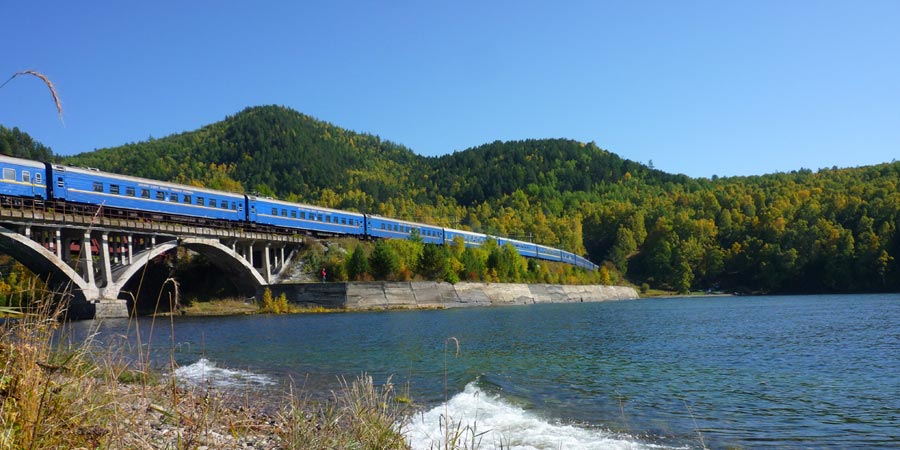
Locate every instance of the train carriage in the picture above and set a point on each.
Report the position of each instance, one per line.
(279, 213)
(526, 249)
(23, 178)
(585, 263)
(548, 253)
(382, 227)
(470, 238)
(91, 186)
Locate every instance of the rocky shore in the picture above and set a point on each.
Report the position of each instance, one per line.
(154, 417)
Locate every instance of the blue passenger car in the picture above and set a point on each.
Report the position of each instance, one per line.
(91, 186)
(526, 249)
(278, 213)
(585, 263)
(471, 238)
(23, 178)
(548, 253)
(382, 227)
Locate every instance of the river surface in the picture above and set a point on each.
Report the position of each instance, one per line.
(751, 372)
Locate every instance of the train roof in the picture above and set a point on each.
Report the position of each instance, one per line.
(182, 187)
(302, 205)
(405, 222)
(22, 161)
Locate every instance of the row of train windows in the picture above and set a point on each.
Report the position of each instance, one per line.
(398, 228)
(311, 216)
(172, 197)
(468, 238)
(10, 174)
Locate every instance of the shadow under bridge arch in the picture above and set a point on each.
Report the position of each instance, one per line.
(244, 276)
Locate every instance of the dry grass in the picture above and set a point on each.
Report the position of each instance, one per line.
(46, 81)
(223, 307)
(51, 397)
(361, 416)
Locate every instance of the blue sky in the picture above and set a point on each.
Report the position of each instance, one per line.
(701, 88)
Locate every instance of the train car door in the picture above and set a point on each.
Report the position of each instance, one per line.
(56, 181)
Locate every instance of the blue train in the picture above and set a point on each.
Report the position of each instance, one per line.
(89, 189)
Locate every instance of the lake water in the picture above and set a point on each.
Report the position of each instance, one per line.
(780, 372)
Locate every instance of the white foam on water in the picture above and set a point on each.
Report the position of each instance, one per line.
(505, 426)
(205, 372)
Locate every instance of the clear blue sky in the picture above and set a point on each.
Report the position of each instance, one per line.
(701, 88)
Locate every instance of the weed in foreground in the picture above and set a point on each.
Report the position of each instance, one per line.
(361, 415)
(50, 398)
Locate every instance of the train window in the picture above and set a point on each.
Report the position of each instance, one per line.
(274, 211)
(59, 180)
(293, 214)
(200, 201)
(98, 187)
(240, 207)
(187, 199)
(382, 226)
(223, 204)
(302, 214)
(283, 213)
(129, 191)
(234, 206)
(343, 221)
(145, 193)
(160, 195)
(173, 198)
(10, 174)
(38, 178)
(114, 189)
(26, 176)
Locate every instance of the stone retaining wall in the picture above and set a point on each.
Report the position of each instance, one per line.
(429, 294)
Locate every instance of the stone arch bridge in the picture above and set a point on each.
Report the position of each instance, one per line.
(92, 257)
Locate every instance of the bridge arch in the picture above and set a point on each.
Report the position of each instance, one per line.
(242, 273)
(138, 263)
(58, 275)
(245, 277)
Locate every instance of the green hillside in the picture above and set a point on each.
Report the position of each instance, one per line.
(834, 230)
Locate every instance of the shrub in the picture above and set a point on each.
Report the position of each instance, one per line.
(274, 305)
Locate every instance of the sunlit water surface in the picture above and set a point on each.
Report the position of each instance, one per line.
(810, 371)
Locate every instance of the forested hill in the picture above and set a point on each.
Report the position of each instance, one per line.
(834, 230)
(547, 166)
(271, 150)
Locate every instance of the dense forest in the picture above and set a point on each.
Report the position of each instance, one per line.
(832, 230)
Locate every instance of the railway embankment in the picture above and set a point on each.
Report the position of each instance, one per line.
(361, 296)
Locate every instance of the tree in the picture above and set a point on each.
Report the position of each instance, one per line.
(383, 262)
(358, 264)
(434, 263)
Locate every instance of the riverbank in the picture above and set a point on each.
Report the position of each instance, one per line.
(363, 296)
(57, 393)
(306, 298)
